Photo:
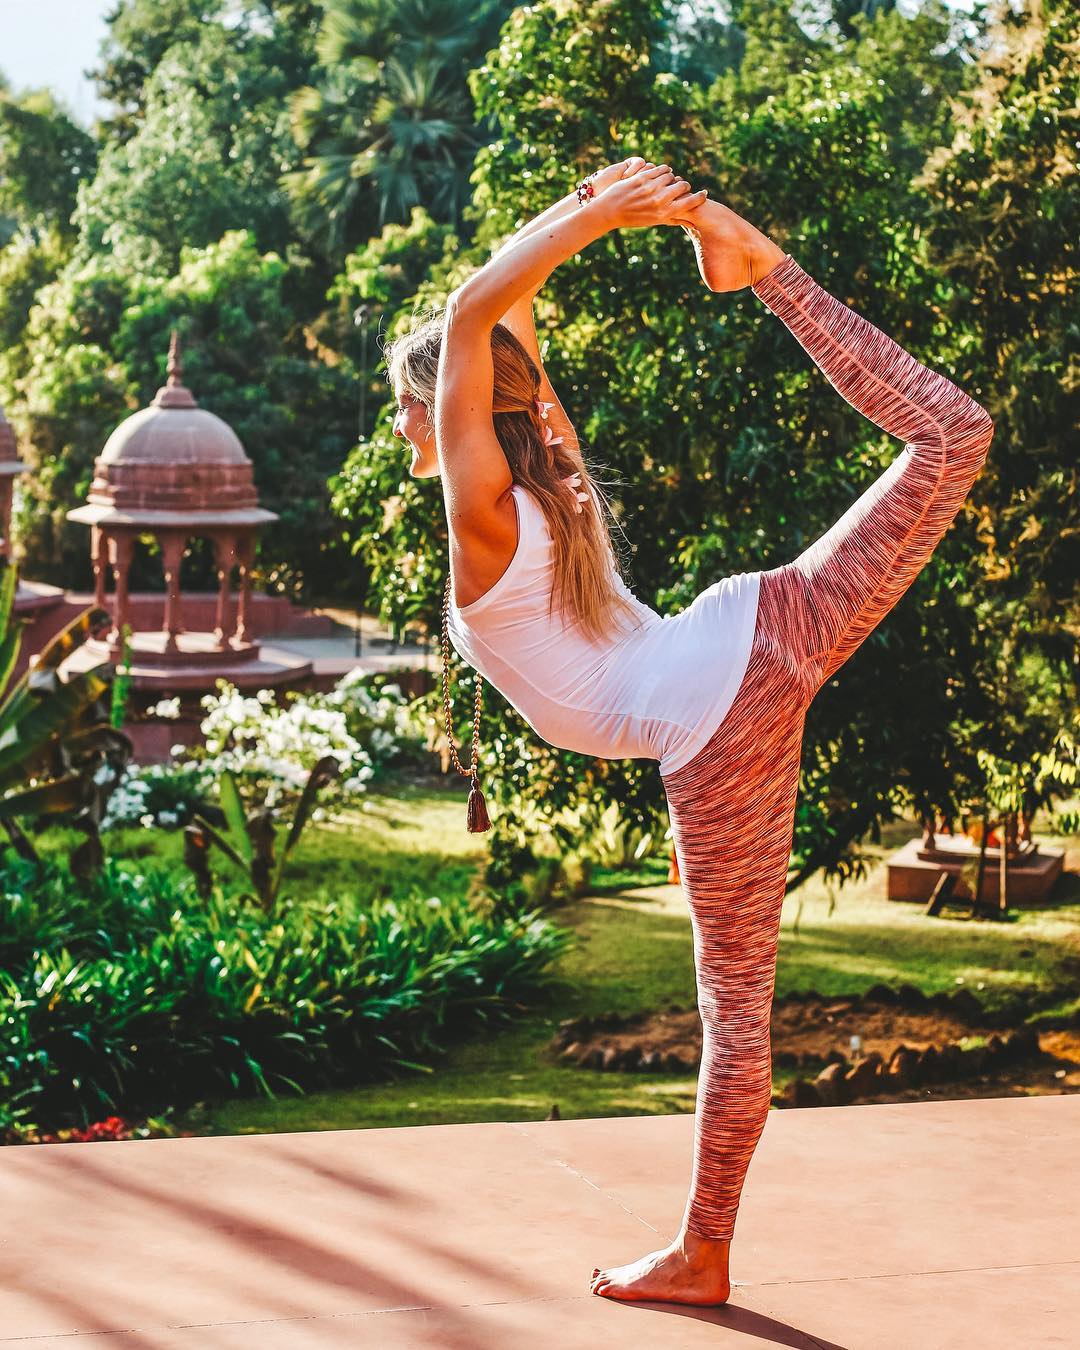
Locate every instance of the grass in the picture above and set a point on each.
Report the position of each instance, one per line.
(635, 952)
(410, 839)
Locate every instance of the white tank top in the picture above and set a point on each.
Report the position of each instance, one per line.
(657, 689)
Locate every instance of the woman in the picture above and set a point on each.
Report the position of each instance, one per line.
(718, 693)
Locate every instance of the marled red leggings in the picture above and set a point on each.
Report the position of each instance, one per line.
(732, 807)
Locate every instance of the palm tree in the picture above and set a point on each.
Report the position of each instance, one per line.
(392, 123)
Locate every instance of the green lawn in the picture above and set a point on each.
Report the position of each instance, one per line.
(635, 952)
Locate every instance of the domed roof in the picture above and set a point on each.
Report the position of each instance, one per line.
(173, 463)
(174, 429)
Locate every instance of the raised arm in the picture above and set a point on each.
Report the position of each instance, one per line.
(519, 317)
(522, 266)
(601, 180)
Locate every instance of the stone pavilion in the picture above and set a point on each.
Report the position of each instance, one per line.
(175, 471)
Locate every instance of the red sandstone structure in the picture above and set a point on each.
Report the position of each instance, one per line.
(10, 466)
(175, 470)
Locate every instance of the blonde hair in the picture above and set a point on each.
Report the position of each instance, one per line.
(583, 552)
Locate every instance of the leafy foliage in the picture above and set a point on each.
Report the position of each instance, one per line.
(132, 989)
(44, 156)
(731, 453)
(56, 736)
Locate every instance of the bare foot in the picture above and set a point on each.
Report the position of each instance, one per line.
(731, 253)
(677, 1274)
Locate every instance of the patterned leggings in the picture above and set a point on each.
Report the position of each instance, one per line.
(732, 807)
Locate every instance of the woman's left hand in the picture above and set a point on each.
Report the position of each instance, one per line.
(603, 178)
(651, 195)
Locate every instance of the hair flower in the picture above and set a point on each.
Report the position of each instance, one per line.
(573, 482)
(542, 408)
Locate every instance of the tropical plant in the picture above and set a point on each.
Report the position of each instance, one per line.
(56, 736)
(250, 839)
(390, 124)
(135, 992)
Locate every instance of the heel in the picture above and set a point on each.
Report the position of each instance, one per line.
(699, 251)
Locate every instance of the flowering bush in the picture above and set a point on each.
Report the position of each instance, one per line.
(389, 726)
(271, 749)
(163, 795)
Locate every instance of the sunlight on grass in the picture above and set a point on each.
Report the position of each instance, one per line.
(635, 952)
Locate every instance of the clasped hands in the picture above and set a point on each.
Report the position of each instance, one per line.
(636, 193)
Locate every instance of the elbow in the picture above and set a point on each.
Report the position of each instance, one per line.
(465, 306)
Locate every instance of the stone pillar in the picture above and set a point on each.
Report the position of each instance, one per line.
(121, 548)
(245, 557)
(7, 486)
(99, 560)
(172, 554)
(224, 557)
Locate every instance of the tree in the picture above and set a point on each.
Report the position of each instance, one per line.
(204, 137)
(1003, 218)
(141, 32)
(729, 453)
(44, 156)
(390, 123)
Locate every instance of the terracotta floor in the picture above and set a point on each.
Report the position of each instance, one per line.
(914, 1225)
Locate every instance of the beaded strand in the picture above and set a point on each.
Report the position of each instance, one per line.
(477, 820)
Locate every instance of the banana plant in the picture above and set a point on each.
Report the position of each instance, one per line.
(250, 839)
(55, 735)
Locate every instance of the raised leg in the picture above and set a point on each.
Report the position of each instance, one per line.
(859, 568)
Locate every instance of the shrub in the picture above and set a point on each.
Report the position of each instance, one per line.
(128, 992)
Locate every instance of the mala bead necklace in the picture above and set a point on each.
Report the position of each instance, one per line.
(476, 819)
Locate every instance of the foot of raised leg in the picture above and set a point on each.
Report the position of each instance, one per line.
(731, 253)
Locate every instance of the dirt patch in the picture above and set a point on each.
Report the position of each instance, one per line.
(803, 1033)
(851, 1049)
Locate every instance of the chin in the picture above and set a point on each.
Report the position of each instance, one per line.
(423, 465)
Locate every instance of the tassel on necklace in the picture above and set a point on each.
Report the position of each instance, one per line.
(476, 819)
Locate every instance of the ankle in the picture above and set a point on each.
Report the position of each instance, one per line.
(765, 257)
(702, 1251)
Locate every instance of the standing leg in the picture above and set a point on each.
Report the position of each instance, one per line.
(732, 811)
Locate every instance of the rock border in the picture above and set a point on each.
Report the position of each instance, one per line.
(840, 1079)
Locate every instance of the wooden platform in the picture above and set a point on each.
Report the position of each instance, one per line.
(887, 1227)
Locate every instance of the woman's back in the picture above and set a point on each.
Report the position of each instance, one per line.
(656, 689)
